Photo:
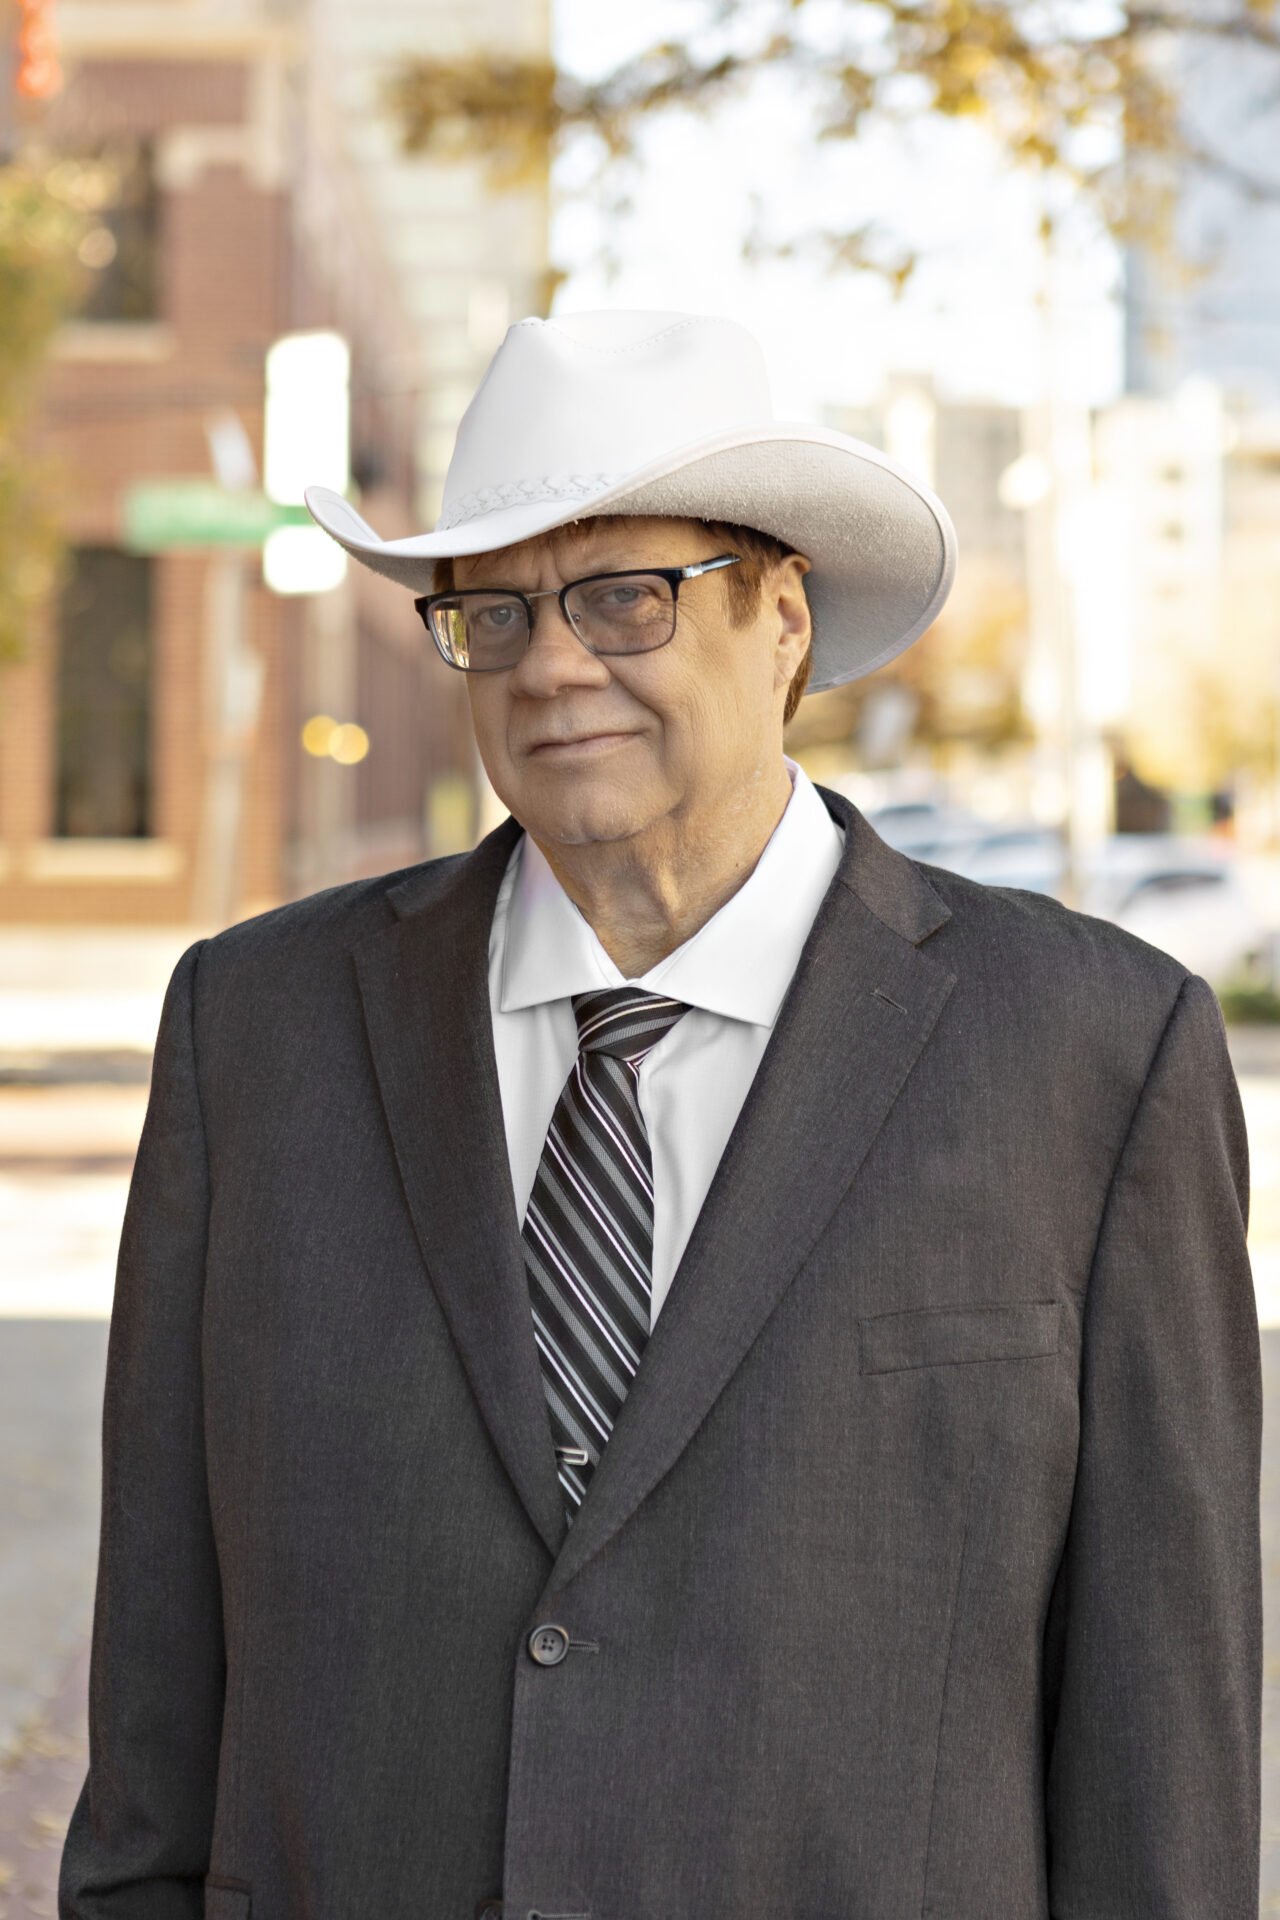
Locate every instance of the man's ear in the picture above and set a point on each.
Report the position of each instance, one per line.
(795, 623)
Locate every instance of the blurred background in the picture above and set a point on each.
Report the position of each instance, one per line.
(1031, 249)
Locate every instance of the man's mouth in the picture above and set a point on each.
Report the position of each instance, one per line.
(581, 743)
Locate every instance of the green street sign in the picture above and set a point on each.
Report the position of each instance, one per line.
(160, 515)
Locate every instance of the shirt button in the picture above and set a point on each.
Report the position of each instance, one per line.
(548, 1645)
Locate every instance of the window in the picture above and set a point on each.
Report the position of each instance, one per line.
(115, 188)
(104, 697)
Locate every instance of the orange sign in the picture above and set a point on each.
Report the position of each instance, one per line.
(39, 74)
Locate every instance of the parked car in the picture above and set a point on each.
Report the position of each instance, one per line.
(1032, 858)
(1184, 898)
(1022, 855)
(1181, 895)
(926, 829)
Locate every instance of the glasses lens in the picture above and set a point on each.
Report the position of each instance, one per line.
(480, 632)
(623, 612)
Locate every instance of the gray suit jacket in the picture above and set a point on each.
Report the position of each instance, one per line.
(920, 1576)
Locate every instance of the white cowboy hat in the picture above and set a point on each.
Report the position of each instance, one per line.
(669, 413)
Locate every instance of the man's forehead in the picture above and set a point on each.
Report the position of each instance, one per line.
(602, 538)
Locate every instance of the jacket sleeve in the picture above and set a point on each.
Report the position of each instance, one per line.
(139, 1840)
(1154, 1651)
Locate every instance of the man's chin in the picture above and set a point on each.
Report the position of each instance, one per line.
(584, 812)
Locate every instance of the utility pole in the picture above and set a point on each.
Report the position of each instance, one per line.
(233, 673)
(1058, 451)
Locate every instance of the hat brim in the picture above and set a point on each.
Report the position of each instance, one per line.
(881, 546)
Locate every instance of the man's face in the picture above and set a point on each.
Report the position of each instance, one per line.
(583, 748)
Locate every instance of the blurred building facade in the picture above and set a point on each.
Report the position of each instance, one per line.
(467, 261)
(1142, 541)
(1206, 302)
(1200, 495)
(952, 703)
(960, 449)
(244, 184)
(1111, 651)
(1195, 445)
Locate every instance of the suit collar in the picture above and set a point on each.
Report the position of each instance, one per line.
(886, 882)
(476, 875)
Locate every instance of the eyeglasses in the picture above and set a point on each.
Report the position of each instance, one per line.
(484, 631)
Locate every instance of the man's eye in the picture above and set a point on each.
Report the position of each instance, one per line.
(495, 619)
(623, 596)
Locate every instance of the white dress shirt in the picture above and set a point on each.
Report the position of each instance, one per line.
(733, 975)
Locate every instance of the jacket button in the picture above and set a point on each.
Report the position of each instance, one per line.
(548, 1645)
(489, 1910)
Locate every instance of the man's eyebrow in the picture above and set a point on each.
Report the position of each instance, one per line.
(585, 572)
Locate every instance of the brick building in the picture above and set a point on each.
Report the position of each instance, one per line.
(152, 769)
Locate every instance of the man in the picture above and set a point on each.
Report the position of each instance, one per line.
(679, 1366)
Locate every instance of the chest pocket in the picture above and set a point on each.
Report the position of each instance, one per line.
(958, 1336)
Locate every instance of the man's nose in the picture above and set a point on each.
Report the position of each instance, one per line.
(555, 657)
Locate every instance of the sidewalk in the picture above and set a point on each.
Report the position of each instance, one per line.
(1269, 1904)
(83, 990)
(40, 1781)
(50, 1401)
(65, 1158)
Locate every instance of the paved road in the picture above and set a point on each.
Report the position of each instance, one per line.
(1270, 1902)
(50, 1396)
(63, 1173)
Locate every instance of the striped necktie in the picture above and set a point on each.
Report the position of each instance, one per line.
(588, 1233)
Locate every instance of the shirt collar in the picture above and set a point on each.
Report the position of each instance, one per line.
(738, 965)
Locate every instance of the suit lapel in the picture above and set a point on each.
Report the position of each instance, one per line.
(861, 1007)
(424, 986)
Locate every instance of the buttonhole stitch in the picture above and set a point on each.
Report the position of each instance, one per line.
(885, 997)
(576, 1646)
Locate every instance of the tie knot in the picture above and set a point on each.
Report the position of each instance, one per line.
(624, 1022)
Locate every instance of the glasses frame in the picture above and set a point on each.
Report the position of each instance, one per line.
(674, 577)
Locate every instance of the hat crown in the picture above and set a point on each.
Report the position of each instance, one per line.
(570, 404)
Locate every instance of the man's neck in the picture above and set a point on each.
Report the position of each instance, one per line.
(646, 895)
